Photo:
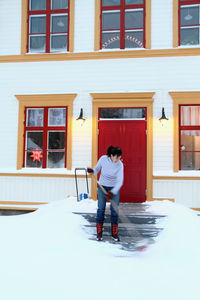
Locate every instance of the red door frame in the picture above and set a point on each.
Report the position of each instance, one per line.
(145, 145)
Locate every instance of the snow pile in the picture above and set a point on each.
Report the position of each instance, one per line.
(46, 255)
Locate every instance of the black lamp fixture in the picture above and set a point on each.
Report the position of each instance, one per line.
(80, 118)
(163, 118)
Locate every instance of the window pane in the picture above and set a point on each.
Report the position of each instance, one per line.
(59, 4)
(134, 2)
(122, 113)
(59, 42)
(56, 160)
(111, 20)
(111, 40)
(37, 43)
(134, 19)
(56, 140)
(37, 4)
(37, 24)
(190, 36)
(33, 159)
(190, 115)
(134, 39)
(190, 161)
(57, 116)
(59, 23)
(34, 140)
(110, 2)
(35, 117)
(190, 140)
(190, 15)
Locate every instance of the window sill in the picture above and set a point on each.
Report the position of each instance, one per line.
(44, 53)
(36, 172)
(122, 50)
(179, 175)
(188, 46)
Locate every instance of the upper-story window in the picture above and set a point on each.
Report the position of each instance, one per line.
(122, 24)
(48, 26)
(189, 22)
(189, 137)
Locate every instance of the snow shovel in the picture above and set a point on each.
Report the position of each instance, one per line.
(142, 245)
(81, 196)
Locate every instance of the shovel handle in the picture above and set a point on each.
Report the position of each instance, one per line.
(101, 187)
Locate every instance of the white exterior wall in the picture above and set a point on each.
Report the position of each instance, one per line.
(10, 27)
(162, 22)
(159, 75)
(184, 192)
(39, 189)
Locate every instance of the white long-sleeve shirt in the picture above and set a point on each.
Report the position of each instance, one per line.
(112, 173)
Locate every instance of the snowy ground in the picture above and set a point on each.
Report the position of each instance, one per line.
(45, 255)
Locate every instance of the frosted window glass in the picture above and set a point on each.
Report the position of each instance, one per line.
(35, 117)
(37, 4)
(59, 23)
(37, 24)
(59, 4)
(111, 20)
(57, 117)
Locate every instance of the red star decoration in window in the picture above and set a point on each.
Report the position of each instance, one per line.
(37, 155)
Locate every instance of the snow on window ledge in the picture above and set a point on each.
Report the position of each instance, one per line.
(192, 173)
(47, 171)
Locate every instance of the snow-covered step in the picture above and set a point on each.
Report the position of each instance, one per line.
(137, 228)
(132, 218)
(128, 230)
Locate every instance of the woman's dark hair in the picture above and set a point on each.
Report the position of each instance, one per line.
(114, 151)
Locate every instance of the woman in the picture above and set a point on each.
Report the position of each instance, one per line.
(111, 178)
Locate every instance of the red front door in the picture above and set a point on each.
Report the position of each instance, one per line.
(130, 136)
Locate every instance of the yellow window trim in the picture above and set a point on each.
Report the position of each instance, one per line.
(24, 13)
(178, 99)
(147, 25)
(175, 23)
(41, 101)
(124, 100)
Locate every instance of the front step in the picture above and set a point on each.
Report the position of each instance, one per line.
(141, 229)
(126, 230)
(135, 219)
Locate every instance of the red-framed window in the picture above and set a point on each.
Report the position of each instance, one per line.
(122, 24)
(48, 26)
(189, 137)
(189, 22)
(45, 137)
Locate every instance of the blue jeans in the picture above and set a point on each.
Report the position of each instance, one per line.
(102, 206)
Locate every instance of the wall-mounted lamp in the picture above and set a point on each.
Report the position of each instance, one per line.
(80, 118)
(163, 118)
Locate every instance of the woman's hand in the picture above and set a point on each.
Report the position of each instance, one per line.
(109, 195)
(90, 170)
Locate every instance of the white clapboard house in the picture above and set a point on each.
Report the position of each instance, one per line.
(129, 68)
